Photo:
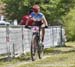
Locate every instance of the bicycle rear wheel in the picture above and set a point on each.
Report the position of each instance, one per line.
(40, 50)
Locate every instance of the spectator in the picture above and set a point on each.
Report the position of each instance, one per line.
(25, 18)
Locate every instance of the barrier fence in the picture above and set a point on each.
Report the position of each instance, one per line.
(15, 40)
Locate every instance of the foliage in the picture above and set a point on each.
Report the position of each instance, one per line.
(53, 10)
(69, 22)
(16, 8)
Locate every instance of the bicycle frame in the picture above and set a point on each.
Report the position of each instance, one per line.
(36, 34)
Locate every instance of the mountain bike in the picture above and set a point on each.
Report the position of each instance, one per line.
(36, 44)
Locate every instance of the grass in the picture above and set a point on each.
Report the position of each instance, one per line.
(54, 61)
(57, 57)
(61, 60)
(5, 62)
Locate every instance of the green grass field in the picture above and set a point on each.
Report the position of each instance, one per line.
(57, 57)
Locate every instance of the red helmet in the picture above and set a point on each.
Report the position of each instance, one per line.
(36, 8)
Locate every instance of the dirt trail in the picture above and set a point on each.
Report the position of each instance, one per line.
(25, 62)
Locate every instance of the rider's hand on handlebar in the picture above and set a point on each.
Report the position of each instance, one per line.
(46, 26)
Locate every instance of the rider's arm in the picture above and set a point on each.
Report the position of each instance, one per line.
(44, 21)
(27, 22)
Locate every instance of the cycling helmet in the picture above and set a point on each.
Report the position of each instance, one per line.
(36, 8)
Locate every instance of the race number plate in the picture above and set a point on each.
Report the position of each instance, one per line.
(35, 29)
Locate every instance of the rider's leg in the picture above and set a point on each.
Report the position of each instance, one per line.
(43, 33)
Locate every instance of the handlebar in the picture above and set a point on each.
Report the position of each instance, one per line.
(29, 27)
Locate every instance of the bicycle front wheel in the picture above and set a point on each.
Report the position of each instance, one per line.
(34, 49)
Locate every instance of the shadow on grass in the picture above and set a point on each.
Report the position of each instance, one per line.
(62, 52)
(56, 50)
(22, 57)
(5, 59)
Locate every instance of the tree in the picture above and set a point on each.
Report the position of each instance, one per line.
(69, 22)
(53, 10)
(16, 8)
